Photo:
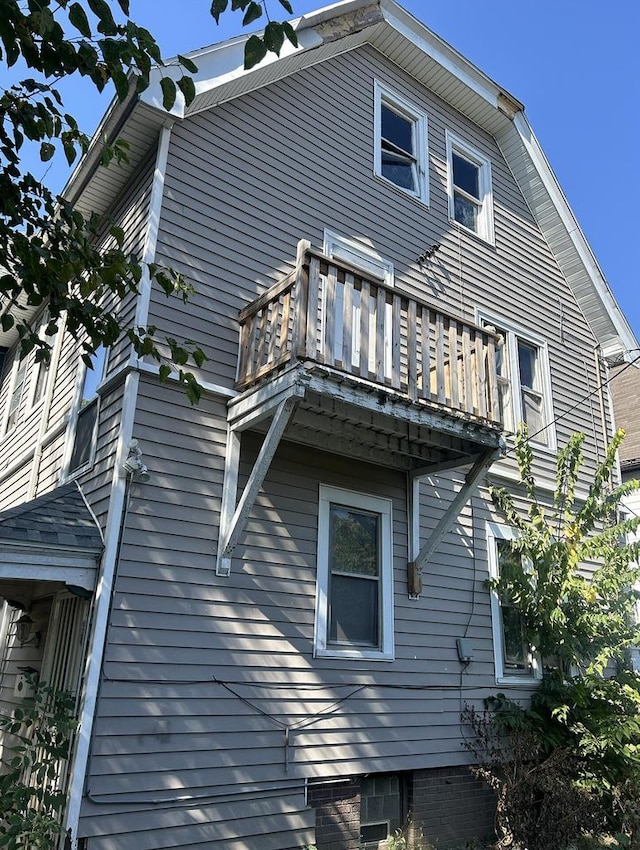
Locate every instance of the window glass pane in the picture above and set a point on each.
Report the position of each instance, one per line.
(465, 212)
(398, 169)
(84, 436)
(516, 653)
(466, 176)
(353, 543)
(16, 394)
(397, 155)
(353, 615)
(397, 130)
(93, 376)
(533, 414)
(528, 360)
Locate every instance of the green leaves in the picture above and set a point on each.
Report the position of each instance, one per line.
(51, 252)
(168, 92)
(78, 17)
(577, 600)
(31, 805)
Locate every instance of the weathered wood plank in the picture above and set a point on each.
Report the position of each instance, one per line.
(331, 284)
(380, 325)
(396, 333)
(467, 383)
(412, 352)
(365, 318)
(347, 323)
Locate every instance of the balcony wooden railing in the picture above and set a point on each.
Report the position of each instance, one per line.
(328, 312)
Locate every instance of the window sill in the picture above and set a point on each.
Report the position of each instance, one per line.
(490, 241)
(355, 654)
(520, 681)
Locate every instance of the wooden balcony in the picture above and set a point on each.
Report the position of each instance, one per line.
(370, 355)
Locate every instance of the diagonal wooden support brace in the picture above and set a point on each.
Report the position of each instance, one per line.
(231, 529)
(483, 462)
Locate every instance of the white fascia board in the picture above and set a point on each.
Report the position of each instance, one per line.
(626, 337)
(82, 573)
(219, 64)
(445, 55)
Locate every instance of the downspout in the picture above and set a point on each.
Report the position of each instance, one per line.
(115, 516)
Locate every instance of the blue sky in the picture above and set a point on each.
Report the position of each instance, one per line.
(575, 65)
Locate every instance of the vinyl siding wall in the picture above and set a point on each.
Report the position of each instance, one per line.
(202, 674)
(249, 178)
(18, 447)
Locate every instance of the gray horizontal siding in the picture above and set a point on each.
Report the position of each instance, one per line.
(244, 182)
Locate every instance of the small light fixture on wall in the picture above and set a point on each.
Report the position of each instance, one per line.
(133, 464)
(25, 634)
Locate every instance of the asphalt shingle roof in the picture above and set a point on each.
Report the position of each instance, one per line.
(59, 518)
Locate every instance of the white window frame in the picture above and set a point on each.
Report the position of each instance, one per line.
(77, 409)
(383, 95)
(374, 504)
(515, 413)
(340, 247)
(17, 382)
(485, 203)
(42, 367)
(497, 532)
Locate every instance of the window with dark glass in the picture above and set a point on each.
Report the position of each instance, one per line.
(516, 651)
(354, 577)
(397, 139)
(42, 366)
(469, 185)
(466, 192)
(87, 418)
(16, 394)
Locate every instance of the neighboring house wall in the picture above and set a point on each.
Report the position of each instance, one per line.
(34, 449)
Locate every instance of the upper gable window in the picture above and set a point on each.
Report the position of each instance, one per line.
(401, 143)
(469, 184)
(354, 603)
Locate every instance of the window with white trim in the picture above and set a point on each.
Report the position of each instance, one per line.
(401, 152)
(354, 598)
(42, 367)
(86, 422)
(515, 660)
(469, 187)
(17, 389)
(524, 381)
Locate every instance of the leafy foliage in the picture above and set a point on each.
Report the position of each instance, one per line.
(49, 252)
(583, 618)
(31, 799)
(571, 762)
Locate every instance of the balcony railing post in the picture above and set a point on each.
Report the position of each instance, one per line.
(300, 301)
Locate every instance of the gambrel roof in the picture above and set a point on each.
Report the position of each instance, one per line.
(398, 35)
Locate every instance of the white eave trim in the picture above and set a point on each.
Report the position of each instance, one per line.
(626, 337)
(445, 55)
